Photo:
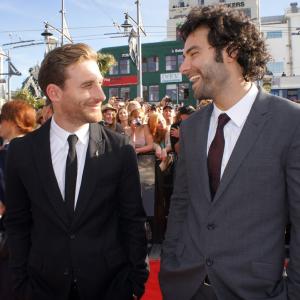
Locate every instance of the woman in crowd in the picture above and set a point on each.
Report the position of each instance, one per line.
(140, 136)
(122, 119)
(17, 119)
(161, 135)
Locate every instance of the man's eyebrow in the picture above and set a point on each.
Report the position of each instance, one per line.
(190, 49)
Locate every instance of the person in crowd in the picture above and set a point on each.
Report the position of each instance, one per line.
(74, 214)
(140, 135)
(161, 135)
(238, 172)
(17, 119)
(110, 119)
(164, 101)
(168, 113)
(122, 119)
(183, 114)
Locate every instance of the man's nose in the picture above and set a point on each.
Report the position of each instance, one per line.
(99, 93)
(184, 67)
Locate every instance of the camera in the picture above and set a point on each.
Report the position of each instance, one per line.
(136, 122)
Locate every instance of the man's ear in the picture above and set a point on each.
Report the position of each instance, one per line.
(54, 92)
(232, 57)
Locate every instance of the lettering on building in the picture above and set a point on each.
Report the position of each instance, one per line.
(236, 4)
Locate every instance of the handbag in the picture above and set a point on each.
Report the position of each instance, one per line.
(166, 166)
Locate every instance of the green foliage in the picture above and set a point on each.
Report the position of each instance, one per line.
(24, 94)
(105, 62)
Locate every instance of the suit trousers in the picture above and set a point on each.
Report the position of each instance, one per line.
(74, 294)
(205, 292)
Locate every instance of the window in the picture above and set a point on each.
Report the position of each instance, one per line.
(124, 93)
(275, 67)
(153, 93)
(171, 91)
(150, 64)
(113, 92)
(124, 66)
(179, 60)
(114, 70)
(183, 91)
(171, 63)
(274, 34)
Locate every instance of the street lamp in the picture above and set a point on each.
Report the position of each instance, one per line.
(127, 26)
(50, 40)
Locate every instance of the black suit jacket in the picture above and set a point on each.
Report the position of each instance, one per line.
(104, 248)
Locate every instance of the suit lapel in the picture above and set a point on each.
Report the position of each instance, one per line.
(199, 150)
(254, 124)
(96, 149)
(43, 161)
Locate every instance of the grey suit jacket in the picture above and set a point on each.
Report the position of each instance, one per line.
(238, 239)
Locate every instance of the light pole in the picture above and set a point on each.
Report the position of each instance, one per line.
(126, 25)
(11, 70)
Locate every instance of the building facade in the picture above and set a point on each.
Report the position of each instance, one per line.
(179, 9)
(161, 76)
(161, 60)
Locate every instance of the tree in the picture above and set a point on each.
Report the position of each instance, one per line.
(24, 94)
(105, 62)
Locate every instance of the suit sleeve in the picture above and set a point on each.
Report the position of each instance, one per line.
(17, 222)
(293, 192)
(132, 220)
(178, 206)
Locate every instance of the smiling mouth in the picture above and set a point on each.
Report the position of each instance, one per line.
(194, 78)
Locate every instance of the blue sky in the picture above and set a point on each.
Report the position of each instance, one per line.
(88, 20)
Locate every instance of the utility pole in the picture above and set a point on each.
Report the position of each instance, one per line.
(62, 21)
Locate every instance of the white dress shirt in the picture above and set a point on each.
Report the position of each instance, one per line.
(238, 115)
(59, 150)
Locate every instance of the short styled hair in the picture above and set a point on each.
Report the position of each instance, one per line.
(21, 113)
(230, 29)
(53, 68)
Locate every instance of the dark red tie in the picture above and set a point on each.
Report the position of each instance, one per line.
(215, 155)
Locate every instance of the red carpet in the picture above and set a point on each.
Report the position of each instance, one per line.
(152, 287)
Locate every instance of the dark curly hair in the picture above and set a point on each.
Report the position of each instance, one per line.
(230, 29)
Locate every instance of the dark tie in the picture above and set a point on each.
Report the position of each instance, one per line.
(71, 175)
(215, 155)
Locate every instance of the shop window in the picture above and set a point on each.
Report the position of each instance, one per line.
(124, 66)
(179, 60)
(171, 63)
(183, 91)
(114, 70)
(171, 91)
(153, 64)
(153, 93)
(125, 93)
(113, 92)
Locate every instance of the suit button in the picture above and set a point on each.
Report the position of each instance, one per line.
(66, 272)
(72, 236)
(209, 262)
(211, 226)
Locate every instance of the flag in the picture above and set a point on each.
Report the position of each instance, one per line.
(133, 46)
(67, 34)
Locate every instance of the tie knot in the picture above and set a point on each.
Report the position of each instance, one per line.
(223, 119)
(72, 140)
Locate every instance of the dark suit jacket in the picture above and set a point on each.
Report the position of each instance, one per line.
(104, 248)
(238, 239)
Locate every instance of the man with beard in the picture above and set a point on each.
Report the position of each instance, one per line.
(74, 219)
(237, 180)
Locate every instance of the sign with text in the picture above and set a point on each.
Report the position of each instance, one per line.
(120, 80)
(170, 77)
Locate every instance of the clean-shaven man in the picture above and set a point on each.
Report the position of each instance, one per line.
(75, 219)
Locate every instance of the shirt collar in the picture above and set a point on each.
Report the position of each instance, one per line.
(62, 135)
(240, 111)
